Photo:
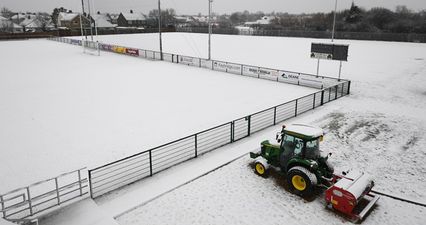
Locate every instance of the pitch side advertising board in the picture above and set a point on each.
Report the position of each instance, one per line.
(132, 51)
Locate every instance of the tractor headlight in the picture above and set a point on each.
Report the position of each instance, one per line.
(314, 165)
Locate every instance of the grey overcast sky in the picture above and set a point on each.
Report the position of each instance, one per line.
(201, 6)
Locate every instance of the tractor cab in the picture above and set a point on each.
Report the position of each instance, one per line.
(300, 140)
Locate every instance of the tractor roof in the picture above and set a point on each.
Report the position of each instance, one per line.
(304, 131)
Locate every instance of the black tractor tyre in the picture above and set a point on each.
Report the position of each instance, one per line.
(301, 181)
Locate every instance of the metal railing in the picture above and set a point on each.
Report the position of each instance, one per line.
(128, 170)
(278, 75)
(23, 203)
(133, 168)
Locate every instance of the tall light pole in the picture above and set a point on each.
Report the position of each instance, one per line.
(210, 29)
(334, 21)
(159, 30)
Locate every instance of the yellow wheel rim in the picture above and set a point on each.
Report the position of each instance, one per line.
(260, 169)
(298, 182)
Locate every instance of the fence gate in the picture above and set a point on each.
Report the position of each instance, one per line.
(23, 203)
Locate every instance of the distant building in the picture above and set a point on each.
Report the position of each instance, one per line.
(113, 18)
(71, 21)
(7, 26)
(102, 22)
(132, 20)
(19, 17)
(37, 23)
(266, 20)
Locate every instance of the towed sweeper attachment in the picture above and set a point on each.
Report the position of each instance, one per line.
(351, 195)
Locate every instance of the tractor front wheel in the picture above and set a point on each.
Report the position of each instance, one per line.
(301, 181)
(260, 169)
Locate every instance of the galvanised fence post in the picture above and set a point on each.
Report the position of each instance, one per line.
(275, 115)
(295, 108)
(248, 118)
(2, 206)
(80, 186)
(336, 87)
(57, 191)
(349, 87)
(232, 131)
(150, 163)
(196, 145)
(90, 184)
(30, 205)
(313, 107)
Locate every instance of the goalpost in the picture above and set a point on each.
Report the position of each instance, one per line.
(89, 30)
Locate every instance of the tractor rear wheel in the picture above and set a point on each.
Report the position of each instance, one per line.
(301, 181)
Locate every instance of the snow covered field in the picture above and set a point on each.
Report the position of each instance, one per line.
(379, 129)
(61, 109)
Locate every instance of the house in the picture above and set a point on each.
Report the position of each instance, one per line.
(132, 20)
(7, 26)
(37, 23)
(113, 18)
(265, 20)
(71, 21)
(102, 22)
(19, 17)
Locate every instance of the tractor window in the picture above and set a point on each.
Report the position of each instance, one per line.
(312, 149)
(299, 146)
(292, 145)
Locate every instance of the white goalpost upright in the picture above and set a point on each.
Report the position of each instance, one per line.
(89, 46)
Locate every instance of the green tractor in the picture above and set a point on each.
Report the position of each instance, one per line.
(297, 155)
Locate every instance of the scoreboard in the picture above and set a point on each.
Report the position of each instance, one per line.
(329, 51)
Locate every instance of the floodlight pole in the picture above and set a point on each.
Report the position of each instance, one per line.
(334, 22)
(90, 21)
(81, 22)
(210, 28)
(318, 67)
(159, 30)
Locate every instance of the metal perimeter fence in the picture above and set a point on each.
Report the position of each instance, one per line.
(128, 170)
(21, 204)
(120, 173)
(283, 76)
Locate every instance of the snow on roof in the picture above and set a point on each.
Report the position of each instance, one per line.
(306, 130)
(22, 16)
(265, 20)
(2, 18)
(27, 21)
(134, 16)
(102, 21)
(67, 16)
(7, 23)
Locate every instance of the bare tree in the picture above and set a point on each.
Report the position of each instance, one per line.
(6, 13)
